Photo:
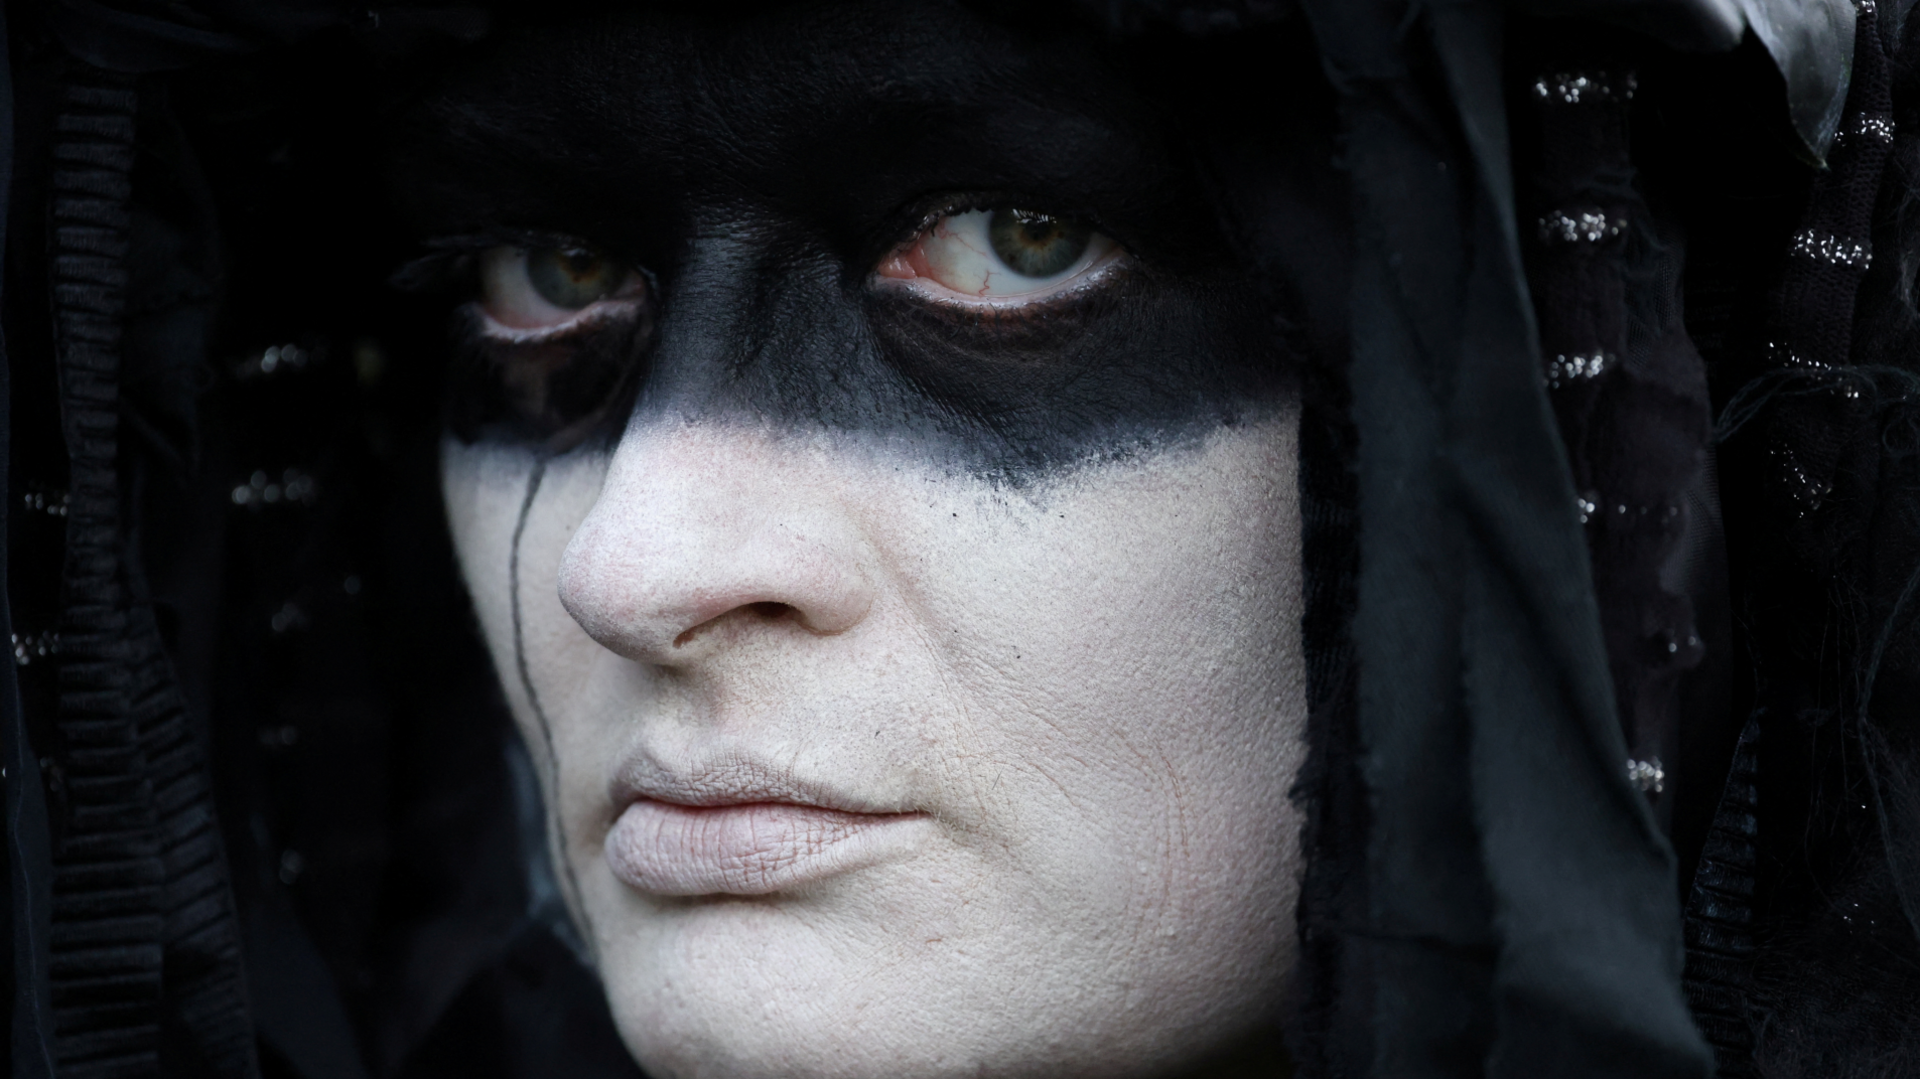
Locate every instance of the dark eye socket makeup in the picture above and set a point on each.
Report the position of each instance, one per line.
(554, 341)
(993, 258)
(1002, 261)
(528, 293)
(1000, 258)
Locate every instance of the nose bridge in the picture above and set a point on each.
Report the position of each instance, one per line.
(758, 324)
(701, 523)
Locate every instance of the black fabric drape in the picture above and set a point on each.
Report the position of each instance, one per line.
(1520, 917)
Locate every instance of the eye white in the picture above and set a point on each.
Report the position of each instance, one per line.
(958, 254)
(508, 297)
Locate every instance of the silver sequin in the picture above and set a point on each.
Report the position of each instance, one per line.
(276, 359)
(1647, 776)
(1786, 357)
(1872, 128)
(1574, 87)
(53, 505)
(28, 647)
(1808, 492)
(262, 490)
(1563, 369)
(1827, 247)
(1581, 226)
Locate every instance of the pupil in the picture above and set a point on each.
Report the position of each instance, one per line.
(571, 279)
(1036, 245)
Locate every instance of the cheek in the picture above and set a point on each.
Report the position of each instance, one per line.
(1093, 685)
(509, 546)
(1127, 646)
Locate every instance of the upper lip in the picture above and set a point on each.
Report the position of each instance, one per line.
(731, 781)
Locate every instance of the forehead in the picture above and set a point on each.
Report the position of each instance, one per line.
(810, 110)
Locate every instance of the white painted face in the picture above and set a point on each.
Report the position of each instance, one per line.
(859, 766)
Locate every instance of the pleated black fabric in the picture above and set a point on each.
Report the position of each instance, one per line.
(142, 911)
(107, 918)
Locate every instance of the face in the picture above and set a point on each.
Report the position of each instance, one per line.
(876, 482)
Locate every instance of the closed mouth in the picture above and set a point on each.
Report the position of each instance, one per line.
(744, 848)
(741, 828)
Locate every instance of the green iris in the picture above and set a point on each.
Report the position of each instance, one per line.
(1037, 245)
(572, 278)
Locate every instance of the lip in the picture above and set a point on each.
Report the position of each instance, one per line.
(741, 829)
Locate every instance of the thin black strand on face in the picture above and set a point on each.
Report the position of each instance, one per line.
(557, 827)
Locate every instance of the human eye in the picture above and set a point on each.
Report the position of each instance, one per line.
(1002, 257)
(529, 291)
(553, 346)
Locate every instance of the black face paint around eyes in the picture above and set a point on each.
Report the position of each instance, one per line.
(767, 312)
(553, 393)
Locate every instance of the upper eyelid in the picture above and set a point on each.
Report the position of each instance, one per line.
(509, 236)
(453, 259)
(450, 255)
(923, 213)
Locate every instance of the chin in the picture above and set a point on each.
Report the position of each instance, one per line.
(758, 993)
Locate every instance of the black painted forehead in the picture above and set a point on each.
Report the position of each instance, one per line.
(834, 111)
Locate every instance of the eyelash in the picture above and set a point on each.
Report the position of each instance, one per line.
(559, 386)
(998, 232)
(522, 380)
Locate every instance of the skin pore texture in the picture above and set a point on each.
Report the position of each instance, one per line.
(914, 676)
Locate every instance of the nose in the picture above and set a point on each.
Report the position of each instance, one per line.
(702, 534)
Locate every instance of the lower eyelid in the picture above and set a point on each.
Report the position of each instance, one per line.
(1093, 277)
(590, 318)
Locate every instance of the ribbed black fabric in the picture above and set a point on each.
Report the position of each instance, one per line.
(141, 904)
(108, 874)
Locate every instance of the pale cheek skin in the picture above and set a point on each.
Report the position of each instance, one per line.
(1092, 687)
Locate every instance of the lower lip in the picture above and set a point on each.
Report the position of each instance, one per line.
(755, 849)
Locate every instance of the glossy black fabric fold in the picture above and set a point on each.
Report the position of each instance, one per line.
(1521, 918)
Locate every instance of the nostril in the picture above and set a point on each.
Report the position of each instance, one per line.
(766, 611)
